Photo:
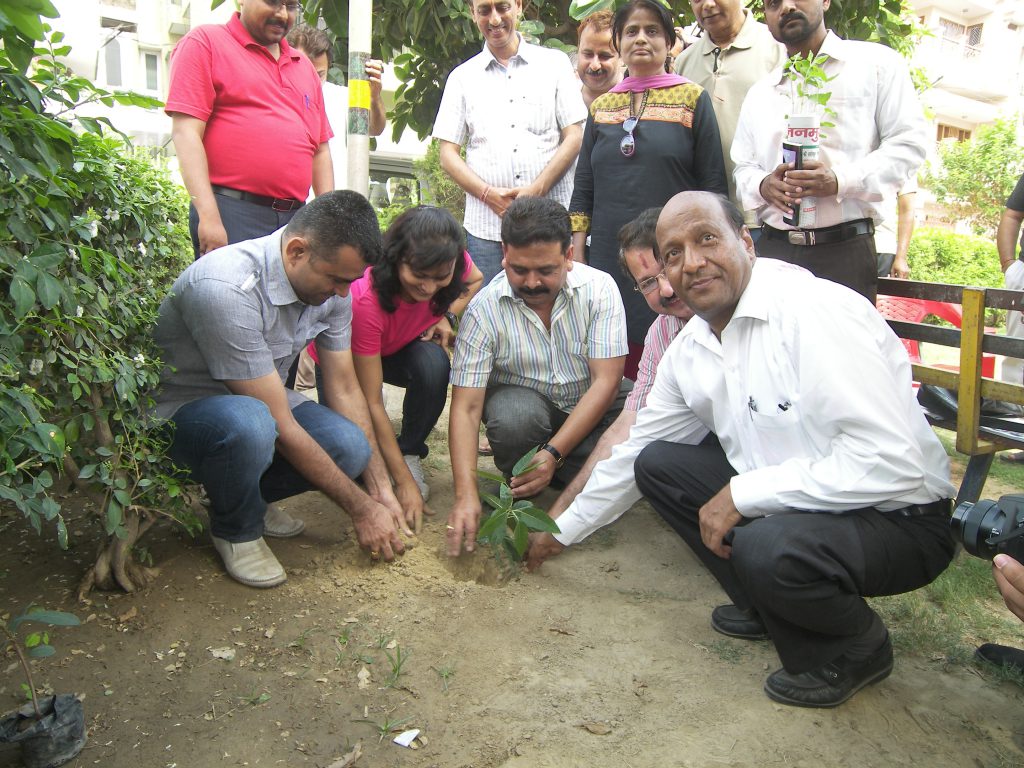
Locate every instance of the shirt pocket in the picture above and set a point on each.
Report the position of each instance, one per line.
(780, 434)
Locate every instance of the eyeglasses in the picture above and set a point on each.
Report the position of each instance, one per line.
(628, 144)
(649, 284)
(291, 7)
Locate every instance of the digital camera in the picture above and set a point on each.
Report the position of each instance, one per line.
(989, 528)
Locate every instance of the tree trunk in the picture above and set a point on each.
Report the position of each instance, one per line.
(115, 568)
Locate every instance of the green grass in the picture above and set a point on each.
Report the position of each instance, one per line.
(1006, 473)
(946, 620)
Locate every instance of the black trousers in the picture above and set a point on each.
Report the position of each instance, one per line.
(805, 573)
(852, 263)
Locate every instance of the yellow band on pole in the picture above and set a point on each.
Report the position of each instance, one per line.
(359, 94)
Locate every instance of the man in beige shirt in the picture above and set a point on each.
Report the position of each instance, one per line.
(733, 53)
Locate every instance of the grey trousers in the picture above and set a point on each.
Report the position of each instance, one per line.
(518, 419)
(242, 220)
(805, 573)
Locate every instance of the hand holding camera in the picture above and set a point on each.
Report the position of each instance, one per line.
(1009, 576)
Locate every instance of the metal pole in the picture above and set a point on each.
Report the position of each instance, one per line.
(360, 15)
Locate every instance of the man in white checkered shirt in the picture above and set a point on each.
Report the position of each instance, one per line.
(519, 112)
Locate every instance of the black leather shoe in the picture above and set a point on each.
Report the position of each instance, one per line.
(832, 684)
(1001, 656)
(735, 622)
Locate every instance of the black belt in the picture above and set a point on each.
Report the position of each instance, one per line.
(942, 507)
(279, 204)
(823, 236)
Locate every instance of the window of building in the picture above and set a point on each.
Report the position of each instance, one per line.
(951, 132)
(960, 39)
(152, 63)
(112, 60)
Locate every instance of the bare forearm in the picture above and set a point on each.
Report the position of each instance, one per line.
(463, 429)
(195, 173)
(323, 170)
(615, 434)
(567, 152)
(1006, 236)
(579, 246)
(353, 407)
(378, 117)
(388, 443)
(312, 462)
(456, 167)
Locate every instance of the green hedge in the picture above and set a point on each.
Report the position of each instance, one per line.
(91, 236)
(941, 256)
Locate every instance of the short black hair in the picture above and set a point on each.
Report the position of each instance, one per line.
(336, 219)
(659, 10)
(422, 238)
(532, 220)
(638, 233)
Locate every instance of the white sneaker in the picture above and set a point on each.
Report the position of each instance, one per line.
(279, 524)
(416, 470)
(250, 562)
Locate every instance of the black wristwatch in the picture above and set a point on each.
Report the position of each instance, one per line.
(453, 320)
(559, 459)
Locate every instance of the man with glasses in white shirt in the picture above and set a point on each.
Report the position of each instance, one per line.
(518, 110)
(248, 124)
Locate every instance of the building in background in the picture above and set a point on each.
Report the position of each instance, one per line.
(127, 45)
(974, 59)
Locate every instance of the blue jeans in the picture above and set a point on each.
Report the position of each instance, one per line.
(486, 254)
(227, 442)
(422, 368)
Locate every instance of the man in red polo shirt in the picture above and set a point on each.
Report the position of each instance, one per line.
(249, 125)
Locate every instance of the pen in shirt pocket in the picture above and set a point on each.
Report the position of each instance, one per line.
(307, 101)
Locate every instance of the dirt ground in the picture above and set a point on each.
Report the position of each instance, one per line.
(604, 658)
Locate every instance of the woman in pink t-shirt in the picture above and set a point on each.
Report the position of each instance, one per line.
(403, 312)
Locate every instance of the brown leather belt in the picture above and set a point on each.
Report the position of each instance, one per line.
(279, 204)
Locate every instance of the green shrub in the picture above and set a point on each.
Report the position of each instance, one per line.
(941, 256)
(438, 187)
(91, 236)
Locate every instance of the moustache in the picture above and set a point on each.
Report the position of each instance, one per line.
(665, 302)
(533, 291)
(794, 16)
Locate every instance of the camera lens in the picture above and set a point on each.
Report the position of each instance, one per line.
(973, 524)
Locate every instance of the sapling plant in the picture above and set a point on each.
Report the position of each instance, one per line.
(510, 523)
(36, 645)
(807, 83)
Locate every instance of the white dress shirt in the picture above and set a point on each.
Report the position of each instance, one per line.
(510, 120)
(809, 392)
(878, 141)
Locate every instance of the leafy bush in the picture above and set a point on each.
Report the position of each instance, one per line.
(941, 256)
(438, 187)
(90, 237)
(974, 178)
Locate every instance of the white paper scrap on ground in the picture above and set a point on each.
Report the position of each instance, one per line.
(406, 738)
